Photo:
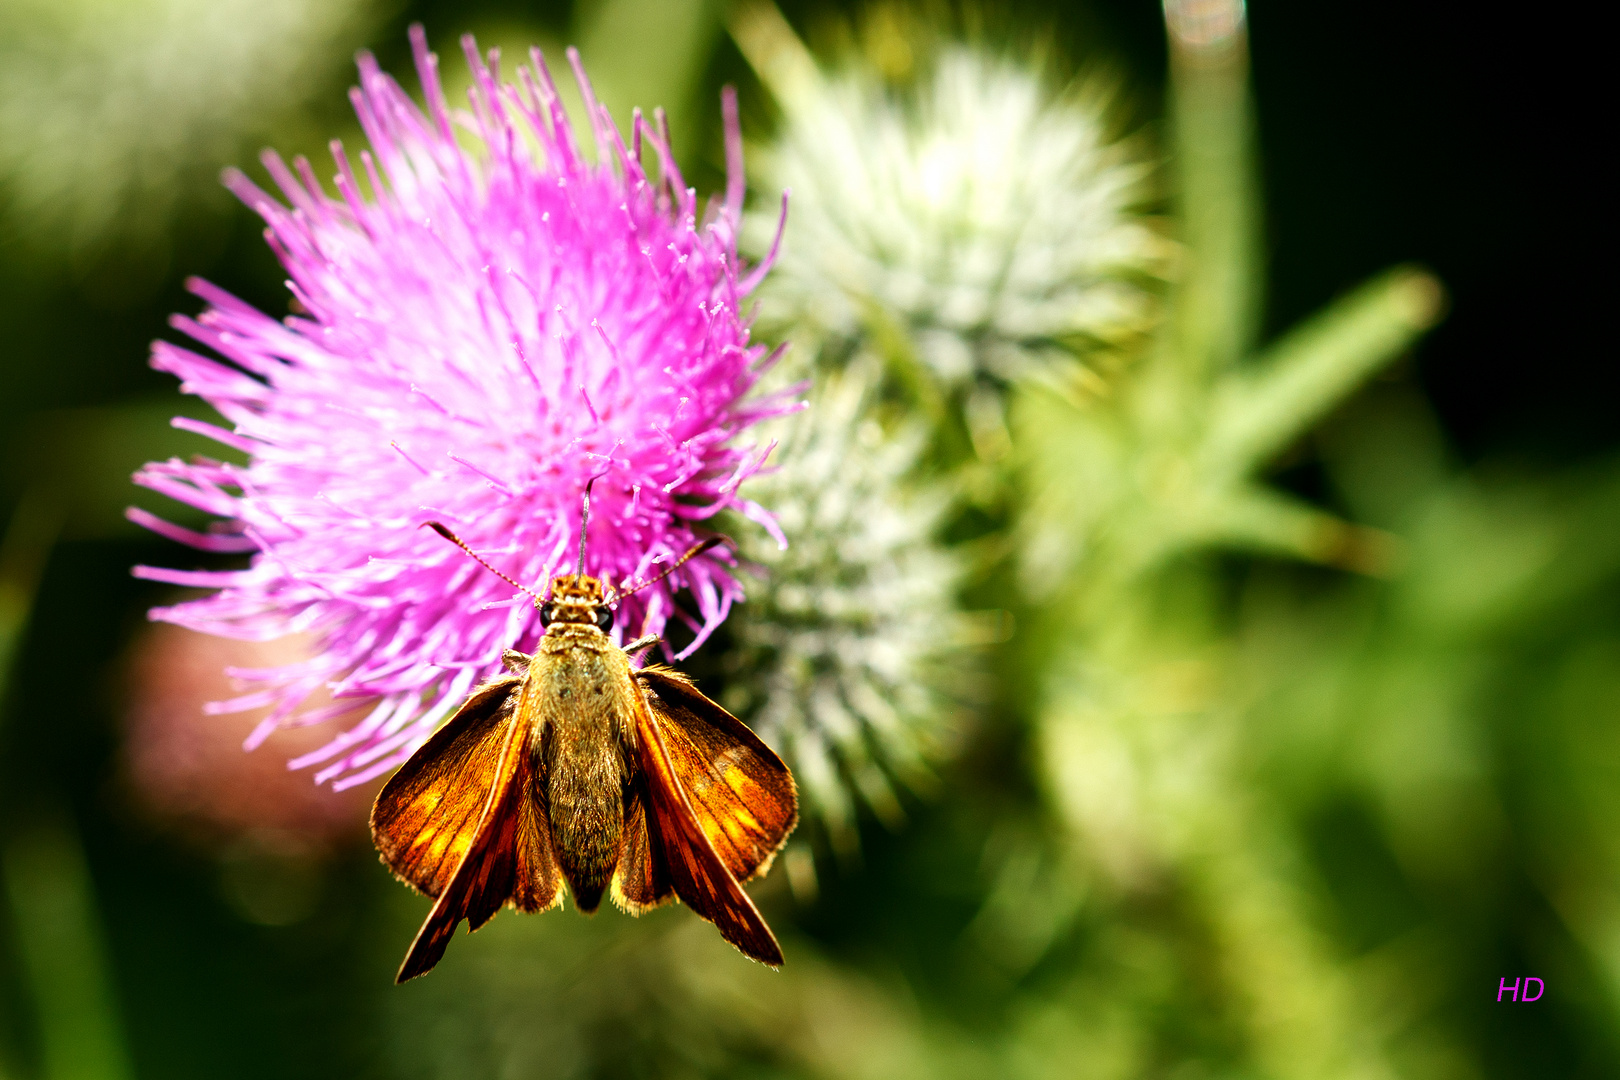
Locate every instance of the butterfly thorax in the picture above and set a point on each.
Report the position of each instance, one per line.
(579, 691)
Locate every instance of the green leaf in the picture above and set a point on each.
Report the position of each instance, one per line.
(1264, 407)
(1256, 518)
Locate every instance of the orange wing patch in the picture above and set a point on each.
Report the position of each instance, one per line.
(742, 795)
(509, 857)
(426, 816)
(680, 846)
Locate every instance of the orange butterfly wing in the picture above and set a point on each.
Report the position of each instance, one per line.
(461, 821)
(679, 850)
(744, 797)
(425, 817)
(641, 880)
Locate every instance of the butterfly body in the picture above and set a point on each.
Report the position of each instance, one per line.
(585, 745)
(574, 767)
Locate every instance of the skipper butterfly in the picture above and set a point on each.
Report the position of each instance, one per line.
(574, 767)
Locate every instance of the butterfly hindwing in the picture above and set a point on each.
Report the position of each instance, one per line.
(641, 880)
(743, 796)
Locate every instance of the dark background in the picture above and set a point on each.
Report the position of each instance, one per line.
(1388, 133)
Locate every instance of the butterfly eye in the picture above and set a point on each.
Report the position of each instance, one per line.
(603, 618)
(547, 613)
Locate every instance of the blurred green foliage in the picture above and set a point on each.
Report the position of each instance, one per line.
(1308, 732)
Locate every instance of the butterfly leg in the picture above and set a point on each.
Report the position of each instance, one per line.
(641, 644)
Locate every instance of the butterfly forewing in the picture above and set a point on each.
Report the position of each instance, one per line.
(425, 817)
(682, 848)
(509, 857)
(741, 794)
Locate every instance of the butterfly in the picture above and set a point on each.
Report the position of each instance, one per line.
(572, 766)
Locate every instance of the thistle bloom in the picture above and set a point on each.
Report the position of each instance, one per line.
(498, 323)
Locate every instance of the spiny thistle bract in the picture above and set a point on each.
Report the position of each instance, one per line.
(489, 330)
(920, 273)
(844, 641)
(995, 220)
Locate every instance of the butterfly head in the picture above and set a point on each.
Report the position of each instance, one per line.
(576, 598)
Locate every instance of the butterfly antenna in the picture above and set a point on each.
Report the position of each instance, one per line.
(696, 550)
(479, 559)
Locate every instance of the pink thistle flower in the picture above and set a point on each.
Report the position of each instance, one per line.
(491, 329)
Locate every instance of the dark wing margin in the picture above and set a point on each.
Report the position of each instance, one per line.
(743, 796)
(681, 848)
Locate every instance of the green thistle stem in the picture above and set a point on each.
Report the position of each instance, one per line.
(1212, 116)
(64, 956)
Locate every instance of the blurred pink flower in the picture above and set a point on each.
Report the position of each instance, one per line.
(189, 775)
(498, 323)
